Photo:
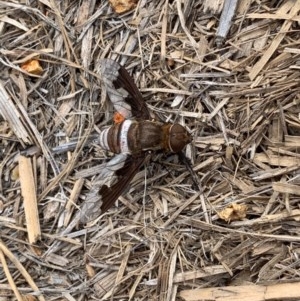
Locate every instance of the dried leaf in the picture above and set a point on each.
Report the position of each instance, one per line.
(33, 67)
(233, 212)
(122, 6)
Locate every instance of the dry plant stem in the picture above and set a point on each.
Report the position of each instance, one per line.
(182, 23)
(9, 277)
(12, 115)
(21, 269)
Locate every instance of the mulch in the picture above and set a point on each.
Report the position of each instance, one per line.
(224, 227)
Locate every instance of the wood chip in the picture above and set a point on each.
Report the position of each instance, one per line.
(286, 291)
(28, 189)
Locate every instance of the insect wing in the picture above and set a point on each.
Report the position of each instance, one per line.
(112, 179)
(122, 91)
(110, 194)
(106, 175)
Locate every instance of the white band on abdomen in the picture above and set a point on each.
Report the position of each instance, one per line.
(103, 139)
(124, 136)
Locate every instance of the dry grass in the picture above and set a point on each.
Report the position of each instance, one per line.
(164, 240)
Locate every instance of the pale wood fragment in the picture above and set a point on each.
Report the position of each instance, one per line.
(271, 218)
(271, 173)
(277, 16)
(73, 200)
(28, 189)
(275, 160)
(285, 291)
(202, 273)
(286, 188)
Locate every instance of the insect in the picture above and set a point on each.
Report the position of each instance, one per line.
(132, 140)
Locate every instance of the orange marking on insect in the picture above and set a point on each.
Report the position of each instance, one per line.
(118, 118)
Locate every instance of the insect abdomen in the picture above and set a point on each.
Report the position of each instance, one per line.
(116, 137)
